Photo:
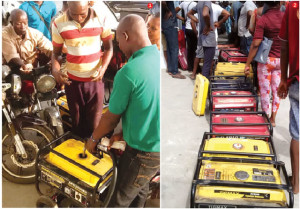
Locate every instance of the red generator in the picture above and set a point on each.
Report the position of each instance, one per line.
(226, 46)
(233, 100)
(246, 123)
(232, 55)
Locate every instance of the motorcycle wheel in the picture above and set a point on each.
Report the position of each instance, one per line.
(14, 167)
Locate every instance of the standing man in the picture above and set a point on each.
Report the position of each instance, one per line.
(191, 36)
(135, 99)
(207, 37)
(289, 35)
(82, 31)
(168, 25)
(243, 24)
(217, 11)
(39, 15)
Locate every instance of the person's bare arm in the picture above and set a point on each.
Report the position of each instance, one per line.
(253, 50)
(177, 9)
(168, 13)
(60, 77)
(108, 122)
(190, 14)
(225, 15)
(249, 13)
(284, 62)
(206, 17)
(194, 27)
(180, 17)
(108, 53)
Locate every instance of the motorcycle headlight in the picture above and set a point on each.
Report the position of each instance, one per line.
(45, 83)
(5, 71)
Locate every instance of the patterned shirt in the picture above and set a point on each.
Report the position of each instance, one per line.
(13, 46)
(83, 44)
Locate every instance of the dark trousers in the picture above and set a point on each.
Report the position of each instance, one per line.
(209, 53)
(245, 43)
(191, 40)
(135, 170)
(85, 101)
(171, 35)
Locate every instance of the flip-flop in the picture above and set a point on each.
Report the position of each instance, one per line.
(179, 76)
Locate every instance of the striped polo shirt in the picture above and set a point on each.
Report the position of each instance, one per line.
(83, 44)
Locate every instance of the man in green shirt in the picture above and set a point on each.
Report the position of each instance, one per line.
(135, 99)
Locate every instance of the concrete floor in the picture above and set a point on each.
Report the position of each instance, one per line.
(181, 135)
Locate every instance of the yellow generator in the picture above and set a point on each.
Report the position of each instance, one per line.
(76, 177)
(200, 94)
(235, 171)
(218, 146)
(221, 83)
(231, 69)
(65, 113)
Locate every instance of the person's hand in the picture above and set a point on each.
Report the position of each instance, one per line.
(61, 78)
(98, 75)
(116, 137)
(247, 70)
(26, 69)
(216, 24)
(282, 90)
(91, 145)
(206, 30)
(168, 15)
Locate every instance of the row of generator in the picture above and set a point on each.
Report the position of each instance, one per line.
(237, 164)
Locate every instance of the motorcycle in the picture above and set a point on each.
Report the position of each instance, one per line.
(30, 120)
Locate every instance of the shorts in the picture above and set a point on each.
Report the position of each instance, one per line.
(199, 52)
(163, 42)
(294, 110)
(216, 57)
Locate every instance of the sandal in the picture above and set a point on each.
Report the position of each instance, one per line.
(179, 76)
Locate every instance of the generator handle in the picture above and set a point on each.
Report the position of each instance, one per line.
(193, 194)
(290, 188)
(114, 176)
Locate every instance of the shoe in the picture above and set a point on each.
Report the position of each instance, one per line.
(179, 76)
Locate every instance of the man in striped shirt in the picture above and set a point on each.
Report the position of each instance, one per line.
(82, 31)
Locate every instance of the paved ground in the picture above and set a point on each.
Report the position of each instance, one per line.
(181, 134)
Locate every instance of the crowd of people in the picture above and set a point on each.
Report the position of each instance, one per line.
(37, 33)
(247, 24)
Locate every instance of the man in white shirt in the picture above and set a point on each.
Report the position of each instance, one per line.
(191, 37)
(243, 23)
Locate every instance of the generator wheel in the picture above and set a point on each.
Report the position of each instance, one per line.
(66, 203)
(46, 202)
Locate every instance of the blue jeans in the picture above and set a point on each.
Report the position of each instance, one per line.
(294, 110)
(135, 170)
(245, 44)
(171, 35)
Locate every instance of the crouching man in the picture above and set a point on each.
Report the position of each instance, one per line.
(135, 99)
